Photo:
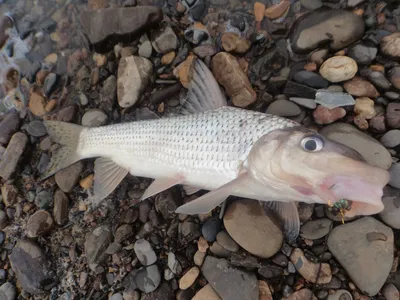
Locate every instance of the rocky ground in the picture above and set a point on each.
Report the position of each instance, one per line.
(331, 65)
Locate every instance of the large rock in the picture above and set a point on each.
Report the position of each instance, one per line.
(364, 248)
(372, 151)
(96, 245)
(12, 155)
(254, 230)
(8, 126)
(34, 272)
(230, 283)
(133, 77)
(107, 27)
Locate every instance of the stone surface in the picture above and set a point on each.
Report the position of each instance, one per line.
(364, 247)
(256, 232)
(229, 282)
(311, 79)
(360, 87)
(60, 210)
(8, 291)
(189, 278)
(395, 175)
(39, 224)
(365, 107)
(393, 115)
(331, 99)
(67, 178)
(145, 252)
(224, 239)
(94, 118)
(36, 129)
(390, 292)
(164, 39)
(206, 293)
(8, 126)
(96, 245)
(308, 103)
(303, 294)
(338, 68)
(324, 115)
(12, 155)
(147, 279)
(390, 45)
(107, 27)
(362, 54)
(283, 108)
(37, 104)
(133, 77)
(231, 42)
(211, 228)
(316, 229)
(372, 151)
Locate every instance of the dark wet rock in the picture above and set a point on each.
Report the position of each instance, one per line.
(107, 27)
(12, 155)
(68, 113)
(340, 28)
(68, 177)
(391, 138)
(299, 90)
(229, 282)
(32, 268)
(210, 228)
(108, 93)
(362, 53)
(364, 240)
(44, 199)
(166, 203)
(164, 39)
(283, 108)
(39, 224)
(311, 79)
(146, 279)
(197, 9)
(50, 84)
(8, 126)
(123, 233)
(8, 291)
(316, 229)
(129, 216)
(145, 252)
(60, 210)
(270, 271)
(379, 80)
(36, 128)
(189, 231)
(393, 115)
(96, 245)
(163, 292)
(394, 76)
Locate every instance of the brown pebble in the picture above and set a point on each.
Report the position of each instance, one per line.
(277, 10)
(377, 68)
(51, 105)
(87, 182)
(41, 76)
(312, 66)
(378, 124)
(390, 45)
(39, 224)
(259, 10)
(360, 87)
(202, 244)
(232, 42)
(361, 122)
(189, 278)
(168, 58)
(323, 115)
(265, 291)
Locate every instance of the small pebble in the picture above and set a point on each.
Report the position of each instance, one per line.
(189, 278)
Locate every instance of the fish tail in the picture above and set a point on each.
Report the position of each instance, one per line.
(67, 135)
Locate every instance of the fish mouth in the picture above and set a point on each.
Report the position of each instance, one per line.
(365, 196)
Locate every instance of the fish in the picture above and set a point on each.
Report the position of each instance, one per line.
(228, 151)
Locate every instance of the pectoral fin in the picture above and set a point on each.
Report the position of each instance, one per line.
(161, 184)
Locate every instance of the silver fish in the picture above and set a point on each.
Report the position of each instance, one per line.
(226, 150)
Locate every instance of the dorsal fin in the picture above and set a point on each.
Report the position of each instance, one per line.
(204, 92)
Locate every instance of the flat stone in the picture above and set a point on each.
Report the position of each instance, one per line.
(189, 278)
(362, 53)
(36, 128)
(164, 39)
(378, 79)
(145, 252)
(8, 291)
(94, 118)
(299, 90)
(338, 68)
(39, 224)
(316, 229)
(12, 155)
(308, 103)
(60, 210)
(96, 245)
(199, 257)
(147, 279)
(283, 108)
(107, 27)
(174, 264)
(224, 239)
(67, 178)
(390, 292)
(123, 232)
(311, 79)
(369, 148)
(206, 293)
(360, 87)
(391, 212)
(8, 126)
(229, 282)
(364, 240)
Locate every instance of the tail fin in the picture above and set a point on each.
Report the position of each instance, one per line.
(67, 135)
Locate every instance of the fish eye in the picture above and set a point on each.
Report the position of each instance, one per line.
(312, 143)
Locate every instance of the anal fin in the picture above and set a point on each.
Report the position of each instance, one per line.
(162, 184)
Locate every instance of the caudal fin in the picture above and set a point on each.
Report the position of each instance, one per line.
(67, 135)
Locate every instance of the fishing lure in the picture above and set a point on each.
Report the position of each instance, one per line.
(341, 207)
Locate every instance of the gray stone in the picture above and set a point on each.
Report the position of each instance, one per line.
(395, 175)
(164, 39)
(174, 264)
(8, 126)
(164, 292)
(229, 282)
(352, 3)
(219, 251)
(39, 224)
(94, 118)
(390, 292)
(145, 49)
(96, 245)
(311, 79)
(3, 219)
(45, 144)
(283, 108)
(331, 99)
(311, 4)
(116, 296)
(378, 79)
(211, 228)
(8, 291)
(372, 151)
(60, 210)
(146, 279)
(123, 232)
(308, 103)
(362, 53)
(166, 203)
(316, 229)
(44, 199)
(391, 138)
(12, 155)
(364, 248)
(189, 231)
(83, 100)
(68, 177)
(305, 211)
(145, 252)
(224, 239)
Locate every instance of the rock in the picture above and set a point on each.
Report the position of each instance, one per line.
(362, 54)
(332, 100)
(308, 103)
(37, 104)
(12, 155)
(34, 272)
(146, 279)
(39, 224)
(316, 229)
(323, 115)
(338, 27)
(123, 232)
(229, 282)
(394, 76)
(8, 126)
(8, 291)
(305, 211)
(106, 27)
(277, 10)
(108, 92)
(96, 245)
(117, 296)
(377, 124)
(395, 175)
(145, 49)
(255, 231)
(67, 178)
(173, 264)
(3, 219)
(166, 203)
(227, 242)
(189, 231)
(338, 68)
(183, 71)
(203, 51)
(364, 240)
(68, 113)
(133, 77)
(51, 105)
(393, 115)
(168, 58)
(199, 258)
(360, 88)
(369, 148)
(340, 295)
(145, 252)
(189, 278)
(311, 4)
(87, 182)
(391, 138)
(51, 59)
(128, 51)
(211, 228)
(365, 107)
(60, 211)
(164, 39)
(36, 129)
(310, 270)
(229, 74)
(50, 84)
(219, 251)
(231, 42)
(389, 291)
(311, 79)
(206, 293)
(390, 45)
(94, 118)
(283, 108)
(44, 199)
(302, 294)
(379, 80)
(259, 11)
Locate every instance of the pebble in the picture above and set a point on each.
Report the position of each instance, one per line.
(50, 84)
(389, 291)
(174, 264)
(247, 223)
(133, 77)
(316, 229)
(311, 79)
(394, 76)
(379, 80)
(147, 279)
(277, 10)
(67, 178)
(145, 49)
(308, 103)
(96, 244)
(145, 252)
(390, 45)
(338, 68)
(395, 175)
(199, 258)
(123, 232)
(393, 115)
(94, 118)
(168, 58)
(340, 295)
(83, 99)
(210, 228)
(206, 293)
(127, 51)
(87, 182)
(39, 224)
(229, 282)
(219, 251)
(310, 270)
(189, 278)
(44, 199)
(45, 144)
(12, 155)
(8, 126)
(60, 210)
(227, 242)
(164, 39)
(365, 107)
(51, 59)
(232, 42)
(166, 203)
(203, 51)
(8, 291)
(68, 113)
(331, 99)
(116, 296)
(36, 129)
(302, 294)
(364, 240)
(362, 54)
(3, 219)
(361, 88)
(283, 108)
(311, 4)
(324, 115)
(369, 148)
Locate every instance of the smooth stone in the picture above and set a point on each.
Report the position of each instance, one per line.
(8, 126)
(391, 211)
(68, 113)
(50, 84)
(60, 210)
(108, 92)
(283, 108)
(364, 240)
(308, 103)
(96, 245)
(45, 144)
(36, 129)
(392, 95)
(393, 115)
(369, 148)
(390, 45)
(305, 211)
(365, 107)
(8, 291)
(254, 230)
(324, 115)
(67, 178)
(340, 295)
(206, 293)
(394, 76)
(116, 296)
(316, 229)
(44, 199)
(123, 232)
(379, 80)
(331, 99)
(360, 87)
(303, 294)
(219, 251)
(83, 99)
(174, 264)
(391, 138)
(311, 79)
(224, 239)
(94, 118)
(311, 4)
(145, 252)
(339, 68)
(145, 49)
(189, 231)
(299, 90)
(199, 258)
(39, 224)
(389, 291)
(189, 278)
(210, 228)
(164, 39)
(362, 53)
(147, 279)
(395, 175)
(12, 155)
(229, 282)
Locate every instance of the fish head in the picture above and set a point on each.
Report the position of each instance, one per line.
(306, 166)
